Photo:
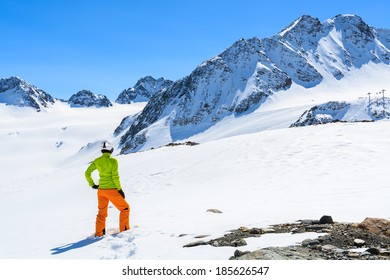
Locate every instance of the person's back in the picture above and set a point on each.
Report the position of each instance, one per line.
(108, 172)
(109, 189)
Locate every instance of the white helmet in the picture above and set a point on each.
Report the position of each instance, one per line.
(106, 146)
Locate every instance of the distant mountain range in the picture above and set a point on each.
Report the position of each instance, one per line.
(17, 92)
(236, 82)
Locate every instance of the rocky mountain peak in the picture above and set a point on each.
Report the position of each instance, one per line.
(342, 20)
(304, 24)
(352, 26)
(12, 82)
(143, 90)
(17, 92)
(86, 98)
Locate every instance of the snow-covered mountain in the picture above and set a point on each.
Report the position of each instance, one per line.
(236, 82)
(143, 90)
(17, 92)
(86, 98)
(363, 109)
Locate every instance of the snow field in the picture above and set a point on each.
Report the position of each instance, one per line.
(256, 180)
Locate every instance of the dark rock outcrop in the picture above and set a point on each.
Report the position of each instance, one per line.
(86, 98)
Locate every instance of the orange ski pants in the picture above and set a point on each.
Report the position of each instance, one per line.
(113, 196)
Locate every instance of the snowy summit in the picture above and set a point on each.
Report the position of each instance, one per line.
(17, 92)
(143, 90)
(86, 98)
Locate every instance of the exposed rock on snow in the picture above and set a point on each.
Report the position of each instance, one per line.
(187, 143)
(338, 241)
(125, 123)
(143, 90)
(213, 210)
(86, 98)
(334, 111)
(325, 113)
(17, 92)
(195, 244)
(241, 78)
(276, 253)
(326, 220)
(359, 242)
(376, 226)
(226, 242)
(342, 241)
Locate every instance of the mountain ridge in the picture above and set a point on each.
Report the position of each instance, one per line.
(85, 98)
(16, 91)
(143, 90)
(242, 77)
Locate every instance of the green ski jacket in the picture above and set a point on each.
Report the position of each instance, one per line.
(108, 172)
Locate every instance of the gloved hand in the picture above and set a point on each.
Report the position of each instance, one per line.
(121, 193)
(95, 187)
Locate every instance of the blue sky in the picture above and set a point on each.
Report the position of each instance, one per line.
(63, 46)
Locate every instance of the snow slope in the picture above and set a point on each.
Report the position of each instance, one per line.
(257, 176)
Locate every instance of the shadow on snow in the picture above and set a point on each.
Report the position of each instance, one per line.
(76, 245)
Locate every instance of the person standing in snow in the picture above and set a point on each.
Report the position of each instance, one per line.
(109, 189)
